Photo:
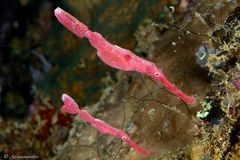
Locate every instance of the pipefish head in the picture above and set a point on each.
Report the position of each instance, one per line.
(153, 71)
(123, 136)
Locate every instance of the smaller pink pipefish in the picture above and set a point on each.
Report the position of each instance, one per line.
(71, 107)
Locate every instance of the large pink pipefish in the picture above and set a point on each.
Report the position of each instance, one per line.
(116, 56)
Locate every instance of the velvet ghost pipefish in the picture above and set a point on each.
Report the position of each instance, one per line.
(116, 56)
(71, 107)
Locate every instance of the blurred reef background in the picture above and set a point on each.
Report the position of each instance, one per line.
(195, 43)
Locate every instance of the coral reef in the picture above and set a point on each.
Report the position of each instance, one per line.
(224, 114)
(194, 42)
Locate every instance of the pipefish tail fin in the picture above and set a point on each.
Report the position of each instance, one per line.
(70, 22)
(70, 106)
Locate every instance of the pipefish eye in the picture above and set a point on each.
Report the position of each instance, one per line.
(156, 74)
(124, 138)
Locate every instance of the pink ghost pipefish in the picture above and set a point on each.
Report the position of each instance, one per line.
(71, 107)
(116, 56)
